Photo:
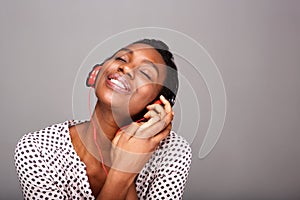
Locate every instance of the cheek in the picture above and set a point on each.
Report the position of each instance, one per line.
(147, 92)
(102, 92)
(142, 97)
(100, 81)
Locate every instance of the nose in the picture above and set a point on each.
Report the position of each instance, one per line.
(127, 70)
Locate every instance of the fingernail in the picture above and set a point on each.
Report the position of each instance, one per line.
(161, 96)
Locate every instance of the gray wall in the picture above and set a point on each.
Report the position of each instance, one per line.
(255, 44)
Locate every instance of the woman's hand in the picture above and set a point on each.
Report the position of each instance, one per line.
(133, 146)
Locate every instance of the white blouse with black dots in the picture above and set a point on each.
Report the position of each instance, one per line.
(49, 168)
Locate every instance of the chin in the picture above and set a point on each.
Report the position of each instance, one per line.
(111, 100)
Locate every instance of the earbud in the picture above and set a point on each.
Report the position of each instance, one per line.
(91, 80)
(158, 102)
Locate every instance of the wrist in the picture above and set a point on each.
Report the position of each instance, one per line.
(119, 178)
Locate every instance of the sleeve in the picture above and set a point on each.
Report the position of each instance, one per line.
(33, 173)
(171, 176)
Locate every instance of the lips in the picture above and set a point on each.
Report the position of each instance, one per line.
(118, 83)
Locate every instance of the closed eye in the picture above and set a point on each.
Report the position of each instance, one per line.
(120, 59)
(146, 75)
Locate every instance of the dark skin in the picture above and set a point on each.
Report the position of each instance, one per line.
(143, 71)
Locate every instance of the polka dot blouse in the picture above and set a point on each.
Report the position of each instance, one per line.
(49, 168)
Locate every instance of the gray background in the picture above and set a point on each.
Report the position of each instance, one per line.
(255, 44)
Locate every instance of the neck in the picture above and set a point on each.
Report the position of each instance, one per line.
(104, 121)
(103, 127)
(98, 134)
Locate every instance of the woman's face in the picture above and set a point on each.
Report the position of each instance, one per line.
(131, 79)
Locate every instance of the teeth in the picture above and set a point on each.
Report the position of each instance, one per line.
(118, 83)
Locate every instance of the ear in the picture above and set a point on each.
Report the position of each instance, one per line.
(91, 79)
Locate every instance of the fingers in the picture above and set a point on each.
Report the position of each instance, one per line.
(160, 117)
(149, 123)
(131, 129)
(168, 107)
(149, 129)
(158, 108)
(155, 109)
(116, 139)
(156, 113)
(150, 113)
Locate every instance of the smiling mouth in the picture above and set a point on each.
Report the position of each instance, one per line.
(118, 83)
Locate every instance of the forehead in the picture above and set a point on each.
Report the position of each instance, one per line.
(144, 51)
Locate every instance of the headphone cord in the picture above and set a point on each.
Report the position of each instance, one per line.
(95, 134)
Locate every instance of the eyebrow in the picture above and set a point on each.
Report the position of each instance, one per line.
(127, 50)
(152, 64)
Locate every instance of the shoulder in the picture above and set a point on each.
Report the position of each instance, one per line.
(174, 139)
(174, 153)
(34, 146)
(53, 136)
(51, 139)
(176, 146)
(47, 137)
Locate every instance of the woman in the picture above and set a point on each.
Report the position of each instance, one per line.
(109, 156)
